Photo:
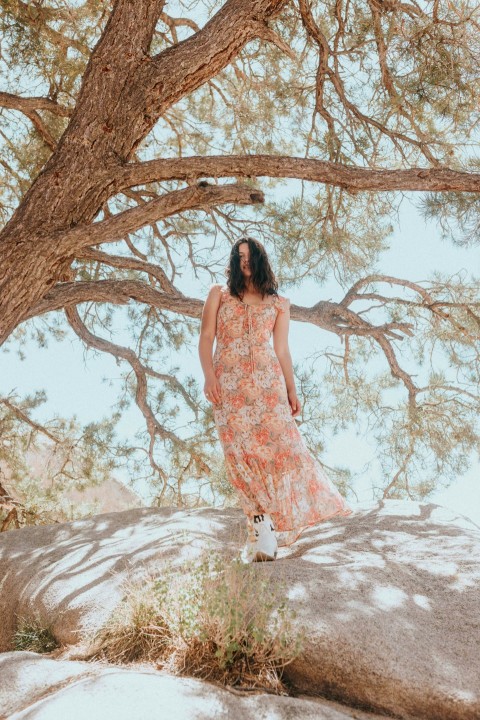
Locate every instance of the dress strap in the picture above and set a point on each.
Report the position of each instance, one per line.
(224, 293)
(281, 303)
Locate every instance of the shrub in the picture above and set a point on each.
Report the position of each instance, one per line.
(220, 620)
(234, 626)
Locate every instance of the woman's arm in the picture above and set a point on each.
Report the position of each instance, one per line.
(208, 331)
(282, 351)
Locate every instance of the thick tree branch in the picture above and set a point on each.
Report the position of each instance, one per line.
(183, 68)
(117, 292)
(325, 314)
(345, 176)
(115, 228)
(333, 317)
(30, 104)
(56, 248)
(124, 91)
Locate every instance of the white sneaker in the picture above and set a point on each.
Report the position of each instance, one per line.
(265, 546)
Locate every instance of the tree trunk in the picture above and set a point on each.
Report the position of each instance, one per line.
(124, 92)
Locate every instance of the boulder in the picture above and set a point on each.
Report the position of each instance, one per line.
(392, 601)
(72, 574)
(390, 595)
(37, 688)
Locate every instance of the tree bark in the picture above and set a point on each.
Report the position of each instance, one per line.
(346, 176)
(124, 91)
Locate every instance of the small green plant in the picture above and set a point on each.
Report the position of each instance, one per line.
(220, 620)
(235, 626)
(34, 635)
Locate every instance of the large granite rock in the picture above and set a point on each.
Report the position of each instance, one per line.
(72, 573)
(392, 601)
(390, 595)
(37, 688)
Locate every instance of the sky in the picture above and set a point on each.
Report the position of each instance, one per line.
(75, 380)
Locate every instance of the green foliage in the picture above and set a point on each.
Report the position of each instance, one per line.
(457, 215)
(216, 619)
(43, 463)
(227, 604)
(34, 635)
(424, 444)
(416, 105)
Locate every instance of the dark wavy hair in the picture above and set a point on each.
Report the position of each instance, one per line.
(263, 278)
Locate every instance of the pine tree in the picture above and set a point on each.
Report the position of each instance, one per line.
(139, 140)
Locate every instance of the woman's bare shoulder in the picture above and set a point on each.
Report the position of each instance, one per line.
(216, 294)
(216, 288)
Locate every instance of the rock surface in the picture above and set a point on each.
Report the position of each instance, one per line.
(393, 603)
(36, 688)
(390, 595)
(72, 573)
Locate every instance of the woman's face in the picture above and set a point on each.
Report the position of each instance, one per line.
(244, 252)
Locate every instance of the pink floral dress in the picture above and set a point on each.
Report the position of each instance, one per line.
(266, 457)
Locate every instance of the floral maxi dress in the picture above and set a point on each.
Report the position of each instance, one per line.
(267, 459)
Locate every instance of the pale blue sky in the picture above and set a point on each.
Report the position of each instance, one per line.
(74, 385)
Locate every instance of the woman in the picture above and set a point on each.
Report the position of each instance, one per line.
(281, 487)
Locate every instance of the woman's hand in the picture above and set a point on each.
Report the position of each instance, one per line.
(294, 403)
(212, 389)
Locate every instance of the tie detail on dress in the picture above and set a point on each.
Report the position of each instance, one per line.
(250, 339)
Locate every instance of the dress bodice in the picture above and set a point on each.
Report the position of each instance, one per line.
(244, 331)
(237, 319)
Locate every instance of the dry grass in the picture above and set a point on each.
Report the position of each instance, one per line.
(221, 621)
(136, 630)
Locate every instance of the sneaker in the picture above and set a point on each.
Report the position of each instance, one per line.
(265, 547)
